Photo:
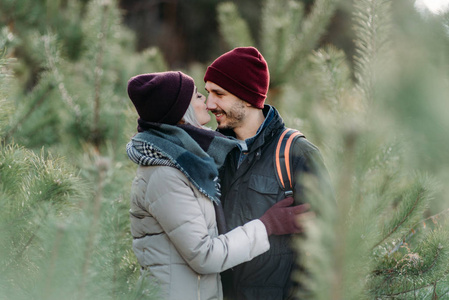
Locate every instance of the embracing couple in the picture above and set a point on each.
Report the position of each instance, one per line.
(208, 216)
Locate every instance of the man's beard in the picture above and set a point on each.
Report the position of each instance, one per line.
(233, 117)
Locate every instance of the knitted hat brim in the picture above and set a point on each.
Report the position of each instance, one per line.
(234, 87)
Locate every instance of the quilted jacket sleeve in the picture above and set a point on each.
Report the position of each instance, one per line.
(173, 203)
(308, 165)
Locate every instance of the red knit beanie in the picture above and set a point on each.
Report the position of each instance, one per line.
(243, 72)
(161, 97)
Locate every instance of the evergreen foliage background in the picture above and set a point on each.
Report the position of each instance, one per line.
(379, 117)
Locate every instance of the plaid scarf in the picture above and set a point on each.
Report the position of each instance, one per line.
(196, 152)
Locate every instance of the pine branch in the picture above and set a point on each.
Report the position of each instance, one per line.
(411, 289)
(52, 57)
(32, 107)
(419, 272)
(341, 229)
(441, 296)
(313, 28)
(420, 268)
(280, 25)
(98, 77)
(101, 168)
(404, 219)
(233, 28)
(268, 27)
(19, 255)
(413, 231)
(391, 271)
(372, 23)
(332, 73)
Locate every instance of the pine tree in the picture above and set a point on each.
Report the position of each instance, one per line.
(420, 257)
(75, 105)
(383, 244)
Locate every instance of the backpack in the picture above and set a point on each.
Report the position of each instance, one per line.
(282, 159)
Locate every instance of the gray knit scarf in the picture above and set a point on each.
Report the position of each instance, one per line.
(197, 153)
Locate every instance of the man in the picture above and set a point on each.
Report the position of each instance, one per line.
(237, 83)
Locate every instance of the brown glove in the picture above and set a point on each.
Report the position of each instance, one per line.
(281, 218)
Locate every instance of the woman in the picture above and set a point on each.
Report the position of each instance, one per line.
(173, 219)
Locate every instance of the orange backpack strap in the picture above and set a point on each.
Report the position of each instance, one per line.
(282, 159)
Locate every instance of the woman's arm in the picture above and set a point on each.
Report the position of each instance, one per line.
(173, 204)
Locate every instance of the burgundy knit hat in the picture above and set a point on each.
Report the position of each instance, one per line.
(243, 72)
(161, 97)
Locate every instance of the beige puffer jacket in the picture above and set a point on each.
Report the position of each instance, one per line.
(176, 239)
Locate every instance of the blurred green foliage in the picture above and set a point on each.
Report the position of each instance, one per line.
(379, 118)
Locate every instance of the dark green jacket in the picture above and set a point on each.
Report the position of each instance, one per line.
(247, 192)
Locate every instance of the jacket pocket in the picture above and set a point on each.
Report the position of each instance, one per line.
(260, 195)
(264, 184)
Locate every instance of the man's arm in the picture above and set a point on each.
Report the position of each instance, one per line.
(311, 178)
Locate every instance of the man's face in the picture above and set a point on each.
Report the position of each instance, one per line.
(229, 110)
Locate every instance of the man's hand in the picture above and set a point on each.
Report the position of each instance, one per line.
(282, 218)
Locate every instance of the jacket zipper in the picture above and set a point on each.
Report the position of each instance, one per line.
(199, 292)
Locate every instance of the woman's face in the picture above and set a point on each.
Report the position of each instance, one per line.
(198, 103)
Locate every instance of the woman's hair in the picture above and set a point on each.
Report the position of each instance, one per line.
(190, 118)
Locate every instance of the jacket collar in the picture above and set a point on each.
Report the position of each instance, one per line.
(272, 124)
(267, 131)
